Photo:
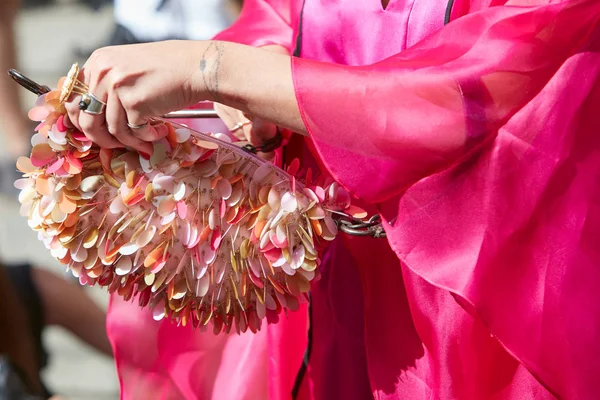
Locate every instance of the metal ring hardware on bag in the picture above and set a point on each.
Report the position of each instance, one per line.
(351, 226)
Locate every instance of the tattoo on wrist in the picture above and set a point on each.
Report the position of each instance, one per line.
(210, 66)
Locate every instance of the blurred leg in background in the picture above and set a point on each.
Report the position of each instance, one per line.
(63, 303)
(44, 299)
(66, 305)
(18, 344)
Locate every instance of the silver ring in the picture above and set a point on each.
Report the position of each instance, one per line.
(91, 105)
(240, 125)
(133, 126)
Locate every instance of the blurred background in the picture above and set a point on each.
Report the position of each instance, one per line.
(42, 38)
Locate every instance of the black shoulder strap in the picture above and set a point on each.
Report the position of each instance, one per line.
(448, 11)
(298, 48)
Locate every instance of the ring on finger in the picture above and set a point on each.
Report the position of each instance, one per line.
(91, 104)
(240, 125)
(134, 126)
(72, 85)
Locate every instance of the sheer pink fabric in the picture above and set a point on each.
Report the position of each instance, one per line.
(480, 145)
(159, 360)
(262, 23)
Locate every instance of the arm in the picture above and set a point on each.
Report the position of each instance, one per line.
(264, 24)
(262, 88)
(426, 108)
(420, 77)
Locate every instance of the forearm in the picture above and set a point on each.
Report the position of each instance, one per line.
(255, 81)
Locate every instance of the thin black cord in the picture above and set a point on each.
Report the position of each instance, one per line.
(304, 366)
(298, 48)
(448, 11)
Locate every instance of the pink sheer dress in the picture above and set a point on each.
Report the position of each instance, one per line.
(471, 127)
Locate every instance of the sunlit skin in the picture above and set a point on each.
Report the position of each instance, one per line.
(138, 82)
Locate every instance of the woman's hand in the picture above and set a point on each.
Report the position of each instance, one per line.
(257, 131)
(137, 82)
(140, 82)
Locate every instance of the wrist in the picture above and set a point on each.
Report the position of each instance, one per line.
(209, 71)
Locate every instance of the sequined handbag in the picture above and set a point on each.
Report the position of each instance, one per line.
(202, 232)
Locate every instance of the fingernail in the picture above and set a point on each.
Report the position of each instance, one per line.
(145, 155)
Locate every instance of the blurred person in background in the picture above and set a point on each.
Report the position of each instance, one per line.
(142, 21)
(33, 298)
(139, 21)
(19, 358)
(14, 125)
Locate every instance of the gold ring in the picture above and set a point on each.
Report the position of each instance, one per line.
(240, 125)
(134, 126)
(72, 85)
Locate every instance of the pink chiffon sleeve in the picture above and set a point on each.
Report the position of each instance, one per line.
(481, 147)
(416, 113)
(261, 23)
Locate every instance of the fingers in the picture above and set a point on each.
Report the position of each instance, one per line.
(116, 119)
(142, 127)
(68, 123)
(93, 126)
(221, 110)
(246, 127)
(73, 112)
(110, 129)
(227, 116)
(257, 132)
(151, 132)
(236, 121)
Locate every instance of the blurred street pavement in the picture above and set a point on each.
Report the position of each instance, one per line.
(47, 38)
